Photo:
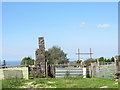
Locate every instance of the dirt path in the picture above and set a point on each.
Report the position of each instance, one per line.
(38, 85)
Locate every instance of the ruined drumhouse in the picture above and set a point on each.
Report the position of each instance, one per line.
(40, 55)
(40, 65)
(41, 68)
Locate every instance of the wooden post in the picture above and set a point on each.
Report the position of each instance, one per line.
(78, 54)
(91, 63)
(117, 70)
(46, 68)
(90, 53)
(98, 63)
(54, 71)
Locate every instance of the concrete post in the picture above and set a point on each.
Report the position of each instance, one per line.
(84, 72)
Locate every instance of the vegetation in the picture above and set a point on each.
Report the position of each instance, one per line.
(101, 60)
(55, 55)
(12, 83)
(71, 82)
(0, 84)
(67, 74)
(27, 61)
(87, 62)
(78, 61)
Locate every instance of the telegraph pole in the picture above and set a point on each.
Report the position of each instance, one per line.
(78, 54)
(91, 64)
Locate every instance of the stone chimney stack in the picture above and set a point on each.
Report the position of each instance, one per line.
(40, 55)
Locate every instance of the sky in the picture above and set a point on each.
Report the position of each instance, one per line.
(69, 25)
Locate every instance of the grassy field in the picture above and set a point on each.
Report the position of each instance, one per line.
(60, 83)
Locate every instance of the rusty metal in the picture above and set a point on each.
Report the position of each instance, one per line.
(90, 53)
(78, 54)
(85, 53)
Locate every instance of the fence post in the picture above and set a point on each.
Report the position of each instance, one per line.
(54, 71)
(84, 72)
(117, 67)
(46, 70)
(98, 63)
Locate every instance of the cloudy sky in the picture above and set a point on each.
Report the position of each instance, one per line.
(70, 26)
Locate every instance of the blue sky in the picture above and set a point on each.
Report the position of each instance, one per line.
(70, 26)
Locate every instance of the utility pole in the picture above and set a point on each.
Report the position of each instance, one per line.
(78, 54)
(91, 64)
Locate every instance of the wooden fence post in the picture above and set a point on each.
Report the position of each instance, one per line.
(54, 71)
(98, 63)
(46, 68)
(117, 67)
(91, 68)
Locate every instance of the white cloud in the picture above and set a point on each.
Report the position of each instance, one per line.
(103, 25)
(82, 24)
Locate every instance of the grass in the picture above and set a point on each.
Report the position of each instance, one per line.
(0, 84)
(70, 82)
(12, 83)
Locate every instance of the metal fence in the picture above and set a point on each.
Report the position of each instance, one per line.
(105, 71)
(70, 72)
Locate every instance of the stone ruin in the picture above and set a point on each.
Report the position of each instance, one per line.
(39, 70)
(40, 55)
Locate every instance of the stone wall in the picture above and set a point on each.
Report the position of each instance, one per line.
(9, 73)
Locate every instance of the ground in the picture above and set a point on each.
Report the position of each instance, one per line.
(60, 83)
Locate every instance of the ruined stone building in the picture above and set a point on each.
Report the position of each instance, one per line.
(41, 69)
(40, 56)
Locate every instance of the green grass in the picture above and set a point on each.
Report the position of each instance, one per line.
(70, 82)
(0, 84)
(12, 83)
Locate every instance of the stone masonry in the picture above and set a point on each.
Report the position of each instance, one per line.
(40, 57)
